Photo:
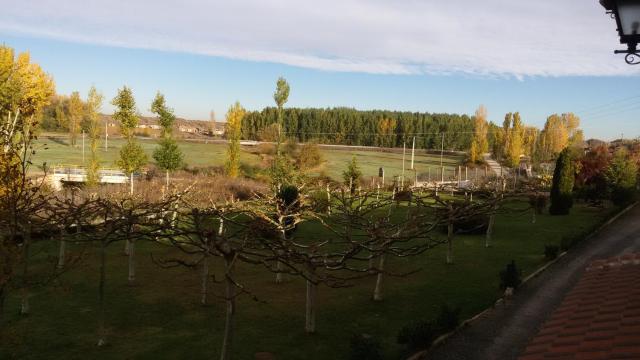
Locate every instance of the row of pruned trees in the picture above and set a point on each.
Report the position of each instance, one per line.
(361, 231)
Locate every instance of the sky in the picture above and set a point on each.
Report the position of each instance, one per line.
(536, 57)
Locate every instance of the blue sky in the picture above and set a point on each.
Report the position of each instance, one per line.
(211, 54)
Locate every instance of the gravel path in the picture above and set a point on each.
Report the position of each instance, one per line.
(503, 332)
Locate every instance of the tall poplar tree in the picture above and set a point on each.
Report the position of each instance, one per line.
(94, 103)
(233, 132)
(76, 110)
(280, 167)
(168, 155)
(480, 143)
(514, 150)
(132, 157)
(562, 186)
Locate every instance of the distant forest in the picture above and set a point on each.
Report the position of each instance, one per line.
(346, 126)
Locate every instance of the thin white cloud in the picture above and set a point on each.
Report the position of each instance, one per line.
(491, 37)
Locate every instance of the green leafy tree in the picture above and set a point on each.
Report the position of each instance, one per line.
(94, 103)
(132, 157)
(168, 155)
(352, 175)
(622, 177)
(562, 185)
(233, 132)
(281, 96)
(126, 113)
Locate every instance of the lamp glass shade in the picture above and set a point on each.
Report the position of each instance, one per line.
(629, 13)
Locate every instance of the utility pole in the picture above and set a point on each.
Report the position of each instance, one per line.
(404, 150)
(442, 150)
(413, 152)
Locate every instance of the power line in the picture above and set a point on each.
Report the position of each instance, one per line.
(593, 108)
(606, 111)
(618, 112)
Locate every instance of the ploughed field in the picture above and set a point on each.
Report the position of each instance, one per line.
(161, 318)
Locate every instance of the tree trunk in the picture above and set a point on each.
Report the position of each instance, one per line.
(132, 264)
(26, 244)
(533, 219)
(229, 323)
(127, 245)
(2, 296)
(278, 273)
(63, 248)
(492, 220)
(310, 313)
(167, 181)
(102, 331)
(131, 184)
(450, 243)
(377, 292)
(279, 277)
(204, 280)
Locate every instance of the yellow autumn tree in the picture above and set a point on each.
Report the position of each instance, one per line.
(386, 129)
(516, 133)
(233, 132)
(480, 143)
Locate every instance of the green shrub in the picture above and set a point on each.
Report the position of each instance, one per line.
(365, 347)
(510, 276)
(418, 335)
(551, 251)
(319, 201)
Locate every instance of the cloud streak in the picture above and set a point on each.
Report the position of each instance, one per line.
(488, 38)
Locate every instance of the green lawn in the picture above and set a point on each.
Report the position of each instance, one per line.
(160, 318)
(55, 151)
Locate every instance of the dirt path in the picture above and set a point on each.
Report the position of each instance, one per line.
(503, 332)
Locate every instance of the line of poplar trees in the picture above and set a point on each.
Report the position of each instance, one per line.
(347, 126)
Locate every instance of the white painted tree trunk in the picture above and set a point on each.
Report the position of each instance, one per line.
(310, 313)
(377, 291)
(450, 243)
(229, 323)
(131, 184)
(167, 178)
(487, 242)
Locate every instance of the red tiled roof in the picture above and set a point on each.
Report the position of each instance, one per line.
(598, 319)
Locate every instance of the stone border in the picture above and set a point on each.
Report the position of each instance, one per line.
(442, 338)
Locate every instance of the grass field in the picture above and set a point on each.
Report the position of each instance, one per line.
(197, 154)
(160, 318)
